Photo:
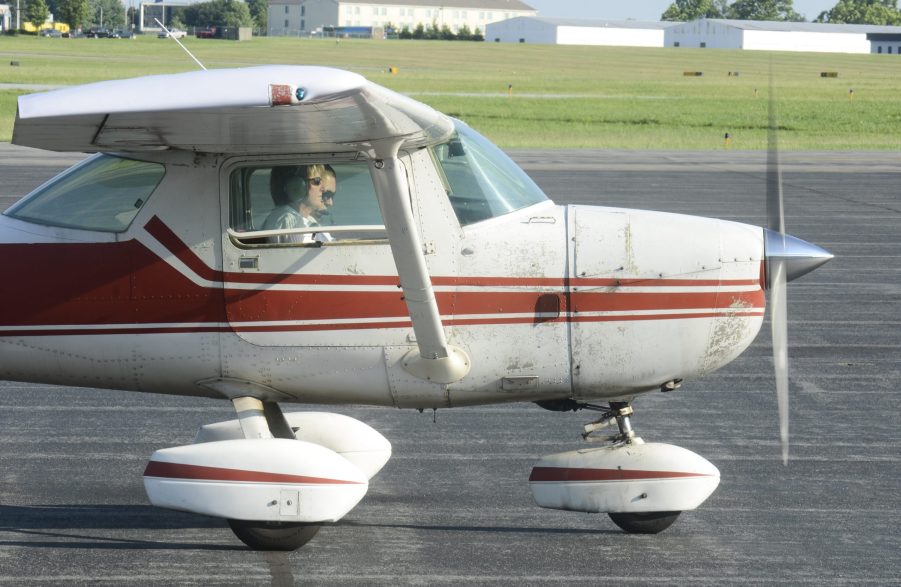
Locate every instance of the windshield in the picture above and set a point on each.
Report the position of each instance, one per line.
(104, 193)
(481, 181)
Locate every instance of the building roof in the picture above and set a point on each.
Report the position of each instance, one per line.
(612, 24)
(807, 27)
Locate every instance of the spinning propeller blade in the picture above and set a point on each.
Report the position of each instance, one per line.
(776, 271)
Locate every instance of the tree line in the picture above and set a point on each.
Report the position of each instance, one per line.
(434, 32)
(83, 14)
(877, 12)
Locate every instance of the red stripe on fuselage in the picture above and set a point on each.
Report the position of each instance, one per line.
(125, 283)
(203, 473)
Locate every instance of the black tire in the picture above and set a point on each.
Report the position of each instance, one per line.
(273, 535)
(646, 522)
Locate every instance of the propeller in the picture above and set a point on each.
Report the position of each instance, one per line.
(776, 271)
(787, 257)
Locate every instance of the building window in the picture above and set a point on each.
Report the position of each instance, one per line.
(303, 10)
(703, 44)
(889, 49)
(286, 9)
(676, 44)
(302, 24)
(286, 23)
(879, 49)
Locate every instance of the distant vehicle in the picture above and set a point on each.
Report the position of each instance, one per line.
(207, 33)
(51, 33)
(174, 33)
(97, 33)
(125, 34)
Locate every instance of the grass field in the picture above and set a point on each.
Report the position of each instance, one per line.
(562, 97)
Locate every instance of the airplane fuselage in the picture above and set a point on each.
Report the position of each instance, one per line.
(549, 301)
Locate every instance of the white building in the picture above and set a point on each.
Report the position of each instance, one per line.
(5, 17)
(306, 17)
(562, 31)
(785, 36)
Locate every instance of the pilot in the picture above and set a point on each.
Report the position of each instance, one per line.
(302, 195)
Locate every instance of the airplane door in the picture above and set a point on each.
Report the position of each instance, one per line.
(321, 276)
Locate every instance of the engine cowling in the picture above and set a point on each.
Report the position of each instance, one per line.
(263, 479)
(630, 478)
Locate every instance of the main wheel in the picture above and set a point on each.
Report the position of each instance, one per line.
(273, 535)
(646, 522)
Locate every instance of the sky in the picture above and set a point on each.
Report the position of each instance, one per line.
(649, 10)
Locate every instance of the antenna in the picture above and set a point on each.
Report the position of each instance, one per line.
(191, 55)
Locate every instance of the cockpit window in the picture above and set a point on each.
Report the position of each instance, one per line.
(104, 193)
(481, 181)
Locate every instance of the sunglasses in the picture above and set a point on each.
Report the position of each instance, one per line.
(328, 195)
(316, 181)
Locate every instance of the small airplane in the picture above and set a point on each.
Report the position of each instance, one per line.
(298, 234)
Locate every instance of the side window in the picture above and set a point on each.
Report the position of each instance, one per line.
(104, 194)
(310, 204)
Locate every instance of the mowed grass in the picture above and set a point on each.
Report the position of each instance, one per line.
(561, 97)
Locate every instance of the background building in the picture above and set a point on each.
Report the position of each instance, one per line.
(562, 31)
(5, 17)
(309, 17)
(785, 36)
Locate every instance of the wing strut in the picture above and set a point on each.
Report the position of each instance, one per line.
(435, 359)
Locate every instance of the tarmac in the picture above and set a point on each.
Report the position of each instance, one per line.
(453, 506)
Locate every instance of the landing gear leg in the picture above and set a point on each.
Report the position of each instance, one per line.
(619, 412)
(631, 522)
(264, 419)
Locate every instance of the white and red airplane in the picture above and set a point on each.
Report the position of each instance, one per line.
(422, 269)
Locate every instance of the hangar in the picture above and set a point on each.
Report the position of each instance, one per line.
(563, 31)
(785, 36)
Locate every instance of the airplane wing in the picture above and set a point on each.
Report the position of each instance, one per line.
(275, 108)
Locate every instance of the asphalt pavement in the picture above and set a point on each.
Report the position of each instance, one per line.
(453, 506)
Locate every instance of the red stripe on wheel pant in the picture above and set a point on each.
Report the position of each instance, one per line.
(566, 474)
(202, 473)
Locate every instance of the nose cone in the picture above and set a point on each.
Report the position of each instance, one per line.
(799, 256)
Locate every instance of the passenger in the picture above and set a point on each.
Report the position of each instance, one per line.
(302, 195)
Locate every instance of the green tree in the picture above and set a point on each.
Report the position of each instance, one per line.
(764, 10)
(433, 32)
(688, 10)
(419, 31)
(477, 35)
(230, 13)
(446, 33)
(259, 11)
(36, 12)
(464, 34)
(73, 12)
(109, 13)
(881, 12)
(405, 33)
